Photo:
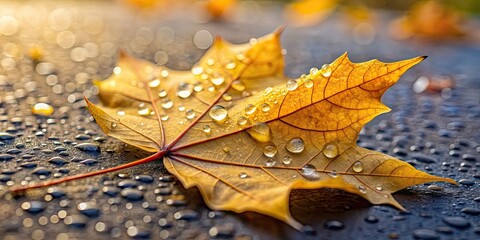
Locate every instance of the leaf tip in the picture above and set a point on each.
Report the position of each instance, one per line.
(279, 29)
(122, 53)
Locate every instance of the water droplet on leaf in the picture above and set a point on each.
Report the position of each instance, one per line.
(207, 129)
(295, 145)
(265, 107)
(308, 170)
(190, 114)
(270, 163)
(218, 113)
(292, 85)
(357, 166)
(287, 160)
(184, 90)
(326, 70)
(270, 151)
(250, 109)
(330, 151)
(260, 132)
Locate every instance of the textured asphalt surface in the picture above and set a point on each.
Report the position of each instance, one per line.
(435, 132)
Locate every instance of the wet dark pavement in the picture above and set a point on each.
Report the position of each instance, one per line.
(435, 132)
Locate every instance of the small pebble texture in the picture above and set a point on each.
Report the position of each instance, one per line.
(79, 42)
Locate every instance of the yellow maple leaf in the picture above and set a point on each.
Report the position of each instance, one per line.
(246, 135)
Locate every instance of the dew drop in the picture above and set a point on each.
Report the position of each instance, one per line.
(164, 73)
(218, 81)
(308, 83)
(164, 117)
(330, 151)
(184, 90)
(42, 109)
(308, 170)
(210, 62)
(292, 85)
(218, 113)
(250, 109)
(162, 93)
(121, 113)
(198, 87)
(333, 174)
(197, 70)
(357, 166)
(267, 91)
(226, 149)
(190, 114)
(270, 163)
(113, 125)
(326, 70)
(295, 145)
(238, 85)
(144, 112)
(207, 129)
(117, 70)
(242, 120)
(270, 151)
(243, 175)
(227, 97)
(287, 160)
(231, 65)
(260, 132)
(167, 103)
(313, 71)
(379, 188)
(181, 108)
(155, 83)
(362, 189)
(265, 107)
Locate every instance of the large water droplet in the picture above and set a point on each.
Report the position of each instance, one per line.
(295, 145)
(357, 166)
(330, 151)
(308, 170)
(250, 109)
(190, 114)
(184, 90)
(292, 85)
(218, 113)
(362, 189)
(42, 109)
(270, 151)
(260, 132)
(326, 70)
(313, 71)
(287, 160)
